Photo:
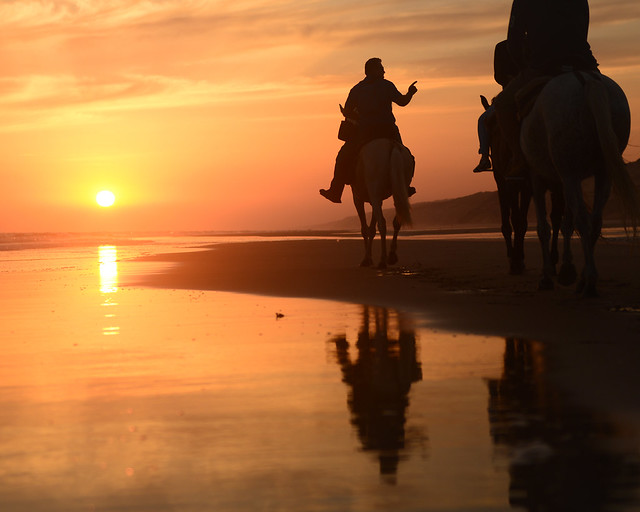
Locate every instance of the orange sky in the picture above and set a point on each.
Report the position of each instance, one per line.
(222, 115)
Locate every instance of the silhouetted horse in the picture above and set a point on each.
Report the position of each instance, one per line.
(385, 168)
(578, 127)
(514, 196)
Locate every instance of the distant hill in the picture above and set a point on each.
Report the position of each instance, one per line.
(479, 210)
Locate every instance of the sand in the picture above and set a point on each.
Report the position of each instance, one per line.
(459, 285)
(163, 396)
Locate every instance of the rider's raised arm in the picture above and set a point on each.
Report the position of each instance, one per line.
(404, 99)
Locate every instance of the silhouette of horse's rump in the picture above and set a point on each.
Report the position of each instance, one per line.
(385, 169)
(578, 127)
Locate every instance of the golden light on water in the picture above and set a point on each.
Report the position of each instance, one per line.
(108, 259)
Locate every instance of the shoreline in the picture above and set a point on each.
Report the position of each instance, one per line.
(458, 285)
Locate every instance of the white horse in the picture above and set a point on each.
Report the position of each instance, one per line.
(385, 168)
(578, 128)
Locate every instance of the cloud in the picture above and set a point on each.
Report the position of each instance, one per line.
(103, 56)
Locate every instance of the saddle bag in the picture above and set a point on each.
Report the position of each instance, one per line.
(348, 130)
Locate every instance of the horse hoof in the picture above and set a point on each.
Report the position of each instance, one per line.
(545, 284)
(568, 274)
(382, 265)
(392, 259)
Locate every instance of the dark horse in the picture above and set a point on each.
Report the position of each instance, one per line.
(578, 127)
(514, 196)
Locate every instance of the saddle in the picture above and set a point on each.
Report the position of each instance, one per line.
(528, 94)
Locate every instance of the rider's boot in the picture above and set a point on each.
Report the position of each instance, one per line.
(333, 193)
(484, 164)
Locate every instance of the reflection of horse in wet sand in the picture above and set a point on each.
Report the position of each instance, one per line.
(562, 457)
(385, 169)
(578, 127)
(379, 380)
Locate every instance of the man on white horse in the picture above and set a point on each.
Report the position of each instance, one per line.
(369, 105)
(545, 38)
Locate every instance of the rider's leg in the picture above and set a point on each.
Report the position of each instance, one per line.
(483, 138)
(342, 172)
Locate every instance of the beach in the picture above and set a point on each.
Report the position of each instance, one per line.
(461, 285)
(274, 373)
(457, 285)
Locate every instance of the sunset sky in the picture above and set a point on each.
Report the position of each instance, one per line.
(222, 115)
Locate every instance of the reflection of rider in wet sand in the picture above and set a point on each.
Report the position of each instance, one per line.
(369, 105)
(379, 382)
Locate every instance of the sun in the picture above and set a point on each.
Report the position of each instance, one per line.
(105, 198)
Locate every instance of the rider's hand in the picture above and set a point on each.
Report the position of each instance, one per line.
(412, 88)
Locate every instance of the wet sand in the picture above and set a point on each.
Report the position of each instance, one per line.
(183, 396)
(123, 397)
(460, 286)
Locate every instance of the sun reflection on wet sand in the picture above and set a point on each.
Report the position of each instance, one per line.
(108, 265)
(108, 261)
(211, 401)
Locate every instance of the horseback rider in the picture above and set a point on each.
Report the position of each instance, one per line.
(545, 38)
(505, 69)
(369, 104)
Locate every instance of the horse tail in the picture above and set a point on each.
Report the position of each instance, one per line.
(400, 179)
(599, 105)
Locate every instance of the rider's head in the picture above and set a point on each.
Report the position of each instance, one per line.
(374, 68)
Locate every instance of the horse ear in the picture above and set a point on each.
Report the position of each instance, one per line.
(484, 102)
(341, 109)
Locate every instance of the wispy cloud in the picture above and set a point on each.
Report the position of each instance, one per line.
(115, 55)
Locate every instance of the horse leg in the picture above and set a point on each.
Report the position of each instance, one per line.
(544, 232)
(593, 229)
(393, 255)
(582, 220)
(568, 274)
(378, 218)
(523, 200)
(557, 211)
(505, 209)
(367, 261)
